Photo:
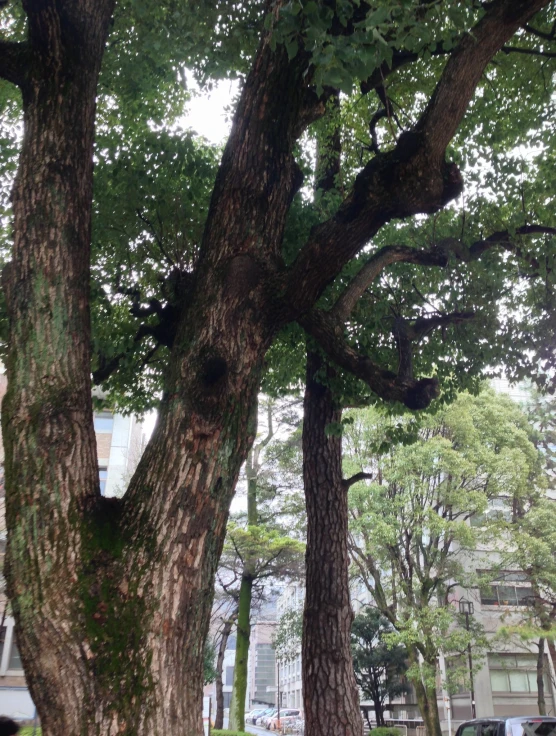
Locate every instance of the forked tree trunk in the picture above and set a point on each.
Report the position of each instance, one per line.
(330, 695)
(111, 597)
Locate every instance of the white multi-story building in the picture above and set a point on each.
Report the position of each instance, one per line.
(291, 686)
(119, 447)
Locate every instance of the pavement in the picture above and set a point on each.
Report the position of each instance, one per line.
(251, 729)
(255, 729)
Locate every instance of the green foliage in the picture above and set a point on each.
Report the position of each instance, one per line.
(376, 31)
(152, 191)
(410, 527)
(218, 732)
(287, 639)
(379, 668)
(386, 731)
(209, 666)
(266, 552)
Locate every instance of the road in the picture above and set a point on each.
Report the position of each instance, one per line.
(255, 729)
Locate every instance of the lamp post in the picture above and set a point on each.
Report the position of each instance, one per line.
(278, 694)
(466, 607)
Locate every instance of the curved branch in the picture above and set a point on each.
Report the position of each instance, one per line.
(414, 393)
(348, 482)
(439, 255)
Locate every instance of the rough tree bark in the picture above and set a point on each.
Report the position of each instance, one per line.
(112, 597)
(330, 694)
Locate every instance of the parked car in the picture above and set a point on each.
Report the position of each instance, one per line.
(257, 721)
(517, 726)
(287, 715)
(266, 717)
(254, 714)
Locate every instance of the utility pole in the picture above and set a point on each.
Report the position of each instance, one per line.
(278, 695)
(466, 607)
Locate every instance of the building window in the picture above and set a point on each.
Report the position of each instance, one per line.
(14, 662)
(498, 509)
(229, 675)
(104, 422)
(510, 589)
(102, 478)
(514, 673)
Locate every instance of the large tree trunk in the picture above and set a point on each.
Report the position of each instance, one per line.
(51, 463)
(330, 695)
(112, 597)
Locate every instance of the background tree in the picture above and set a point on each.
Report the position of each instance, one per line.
(379, 667)
(263, 548)
(409, 531)
(136, 575)
(528, 529)
(227, 629)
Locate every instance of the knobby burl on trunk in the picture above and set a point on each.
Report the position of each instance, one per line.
(111, 598)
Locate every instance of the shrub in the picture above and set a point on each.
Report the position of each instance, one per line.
(384, 731)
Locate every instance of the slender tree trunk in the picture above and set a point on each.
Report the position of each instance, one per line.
(540, 678)
(239, 691)
(226, 631)
(379, 713)
(331, 700)
(426, 699)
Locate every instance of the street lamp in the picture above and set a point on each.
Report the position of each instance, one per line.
(466, 607)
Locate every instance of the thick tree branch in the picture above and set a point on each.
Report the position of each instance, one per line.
(348, 482)
(14, 58)
(415, 394)
(528, 52)
(373, 268)
(414, 177)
